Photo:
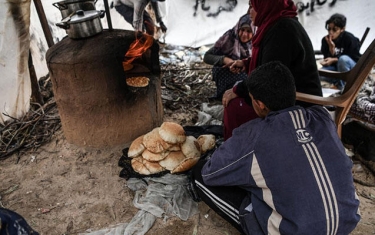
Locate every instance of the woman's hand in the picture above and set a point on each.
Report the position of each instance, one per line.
(227, 61)
(236, 66)
(228, 96)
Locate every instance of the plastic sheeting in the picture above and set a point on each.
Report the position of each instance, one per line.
(158, 197)
(15, 88)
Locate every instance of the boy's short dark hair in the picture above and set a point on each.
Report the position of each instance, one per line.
(337, 19)
(273, 84)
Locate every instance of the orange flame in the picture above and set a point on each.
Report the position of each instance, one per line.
(136, 49)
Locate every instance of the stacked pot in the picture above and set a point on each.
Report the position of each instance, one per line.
(80, 19)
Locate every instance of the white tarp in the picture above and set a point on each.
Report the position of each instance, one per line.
(184, 28)
(15, 87)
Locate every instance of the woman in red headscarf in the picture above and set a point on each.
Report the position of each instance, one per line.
(280, 37)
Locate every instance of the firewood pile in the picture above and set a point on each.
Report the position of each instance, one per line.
(35, 128)
(184, 91)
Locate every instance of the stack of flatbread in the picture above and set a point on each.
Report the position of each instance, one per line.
(167, 148)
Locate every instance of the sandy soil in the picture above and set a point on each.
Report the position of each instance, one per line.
(65, 189)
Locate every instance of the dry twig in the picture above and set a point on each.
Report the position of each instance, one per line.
(32, 130)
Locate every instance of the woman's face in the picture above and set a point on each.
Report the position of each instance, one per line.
(334, 31)
(245, 34)
(252, 13)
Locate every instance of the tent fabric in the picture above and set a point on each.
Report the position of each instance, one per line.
(15, 89)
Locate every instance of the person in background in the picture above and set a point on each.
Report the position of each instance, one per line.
(234, 44)
(339, 48)
(283, 173)
(135, 14)
(281, 37)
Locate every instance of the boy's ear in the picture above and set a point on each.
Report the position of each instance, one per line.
(263, 109)
(261, 105)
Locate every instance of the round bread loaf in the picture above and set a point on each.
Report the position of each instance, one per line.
(191, 148)
(153, 167)
(174, 147)
(185, 165)
(172, 132)
(136, 148)
(206, 142)
(172, 160)
(138, 166)
(154, 157)
(145, 167)
(154, 143)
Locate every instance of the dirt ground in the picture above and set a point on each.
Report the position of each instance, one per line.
(65, 189)
(60, 188)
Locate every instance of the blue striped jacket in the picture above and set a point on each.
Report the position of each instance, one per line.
(295, 169)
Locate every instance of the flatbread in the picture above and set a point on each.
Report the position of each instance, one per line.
(145, 167)
(137, 81)
(138, 166)
(154, 143)
(136, 148)
(153, 167)
(172, 160)
(172, 132)
(191, 148)
(185, 165)
(175, 147)
(206, 142)
(154, 157)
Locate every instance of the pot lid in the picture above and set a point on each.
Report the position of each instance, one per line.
(82, 16)
(73, 1)
(63, 5)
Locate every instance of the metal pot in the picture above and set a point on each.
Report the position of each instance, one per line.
(83, 24)
(69, 7)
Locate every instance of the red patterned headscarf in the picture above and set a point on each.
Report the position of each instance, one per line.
(268, 12)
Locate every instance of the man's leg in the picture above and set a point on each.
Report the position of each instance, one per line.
(345, 63)
(337, 82)
(148, 23)
(225, 201)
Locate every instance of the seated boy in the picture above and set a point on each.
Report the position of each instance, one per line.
(283, 173)
(340, 49)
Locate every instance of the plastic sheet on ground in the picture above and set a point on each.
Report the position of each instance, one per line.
(156, 197)
(212, 115)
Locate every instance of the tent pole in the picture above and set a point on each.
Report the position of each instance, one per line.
(108, 15)
(43, 22)
(36, 96)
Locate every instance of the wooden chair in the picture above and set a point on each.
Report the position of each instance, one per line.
(364, 36)
(354, 80)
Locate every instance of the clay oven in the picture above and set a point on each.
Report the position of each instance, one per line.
(96, 106)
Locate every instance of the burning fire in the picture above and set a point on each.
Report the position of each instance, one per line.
(136, 49)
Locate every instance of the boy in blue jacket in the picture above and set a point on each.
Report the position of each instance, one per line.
(283, 173)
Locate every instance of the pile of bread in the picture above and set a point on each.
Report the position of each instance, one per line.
(167, 148)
